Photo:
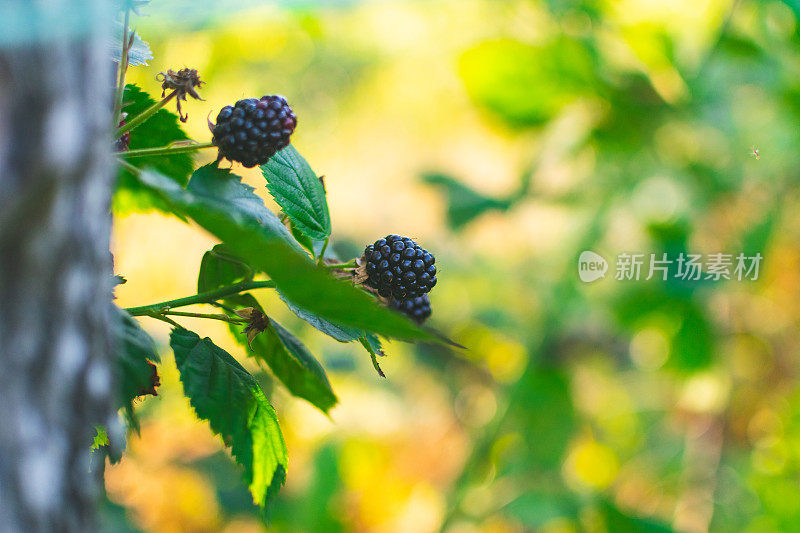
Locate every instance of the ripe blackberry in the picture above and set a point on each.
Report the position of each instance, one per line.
(252, 130)
(418, 309)
(399, 267)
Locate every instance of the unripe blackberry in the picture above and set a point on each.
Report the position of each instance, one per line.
(252, 130)
(399, 268)
(121, 144)
(418, 309)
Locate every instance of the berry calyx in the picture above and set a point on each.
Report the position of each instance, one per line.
(398, 267)
(252, 130)
(417, 309)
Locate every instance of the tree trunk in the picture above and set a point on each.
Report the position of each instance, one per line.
(55, 265)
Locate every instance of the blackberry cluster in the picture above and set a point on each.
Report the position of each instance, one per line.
(399, 268)
(252, 130)
(418, 309)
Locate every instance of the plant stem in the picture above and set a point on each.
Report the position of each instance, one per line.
(123, 67)
(130, 168)
(164, 319)
(322, 252)
(212, 316)
(201, 298)
(341, 266)
(144, 115)
(166, 150)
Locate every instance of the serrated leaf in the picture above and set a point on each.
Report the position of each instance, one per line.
(294, 365)
(288, 359)
(226, 195)
(101, 444)
(160, 129)
(340, 333)
(100, 438)
(138, 54)
(265, 246)
(375, 344)
(299, 192)
(135, 349)
(222, 392)
(135, 6)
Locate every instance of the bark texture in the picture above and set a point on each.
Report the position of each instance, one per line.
(55, 265)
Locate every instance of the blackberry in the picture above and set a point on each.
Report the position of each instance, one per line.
(418, 309)
(399, 267)
(252, 130)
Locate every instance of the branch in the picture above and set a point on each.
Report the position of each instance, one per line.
(201, 298)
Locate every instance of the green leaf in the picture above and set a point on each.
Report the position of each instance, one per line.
(299, 192)
(102, 445)
(375, 344)
(222, 195)
(222, 392)
(136, 349)
(100, 438)
(290, 361)
(294, 365)
(267, 246)
(304, 240)
(340, 333)
(288, 358)
(464, 203)
(160, 129)
(219, 267)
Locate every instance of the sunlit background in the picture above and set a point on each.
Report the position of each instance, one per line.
(506, 137)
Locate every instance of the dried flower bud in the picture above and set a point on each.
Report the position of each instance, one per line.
(258, 322)
(182, 83)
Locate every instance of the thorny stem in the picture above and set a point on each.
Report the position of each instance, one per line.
(123, 67)
(201, 298)
(166, 150)
(365, 343)
(144, 115)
